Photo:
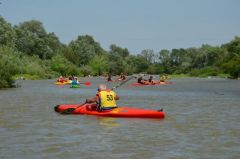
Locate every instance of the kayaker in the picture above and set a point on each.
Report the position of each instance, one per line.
(141, 80)
(71, 77)
(122, 77)
(151, 81)
(61, 79)
(105, 98)
(75, 81)
(109, 79)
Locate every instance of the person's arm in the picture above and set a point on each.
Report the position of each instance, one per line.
(91, 100)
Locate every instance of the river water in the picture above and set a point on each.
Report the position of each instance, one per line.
(202, 121)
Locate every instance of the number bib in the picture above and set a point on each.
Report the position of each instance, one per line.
(106, 99)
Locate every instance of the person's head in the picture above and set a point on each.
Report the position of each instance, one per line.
(102, 87)
(151, 77)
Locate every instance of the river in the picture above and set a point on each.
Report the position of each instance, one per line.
(202, 121)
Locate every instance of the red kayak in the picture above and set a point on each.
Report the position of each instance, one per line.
(159, 83)
(90, 109)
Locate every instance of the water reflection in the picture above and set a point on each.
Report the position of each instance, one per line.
(108, 122)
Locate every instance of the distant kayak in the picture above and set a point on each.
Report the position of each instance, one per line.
(159, 83)
(63, 82)
(121, 112)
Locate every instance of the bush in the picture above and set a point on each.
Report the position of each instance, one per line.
(64, 67)
(86, 70)
(205, 72)
(233, 67)
(98, 65)
(9, 62)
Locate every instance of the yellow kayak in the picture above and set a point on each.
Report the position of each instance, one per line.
(61, 83)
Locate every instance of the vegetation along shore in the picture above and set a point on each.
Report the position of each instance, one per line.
(27, 50)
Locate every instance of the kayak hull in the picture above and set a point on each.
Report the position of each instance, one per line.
(63, 82)
(121, 112)
(75, 86)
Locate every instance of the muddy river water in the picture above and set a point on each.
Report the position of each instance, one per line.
(202, 121)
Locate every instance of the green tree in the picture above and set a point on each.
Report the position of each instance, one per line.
(118, 50)
(165, 60)
(137, 64)
(63, 66)
(83, 50)
(116, 63)
(33, 39)
(233, 48)
(231, 63)
(7, 33)
(9, 64)
(99, 64)
(149, 55)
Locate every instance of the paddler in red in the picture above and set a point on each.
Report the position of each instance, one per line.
(105, 98)
(61, 79)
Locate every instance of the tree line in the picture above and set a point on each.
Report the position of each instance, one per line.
(28, 50)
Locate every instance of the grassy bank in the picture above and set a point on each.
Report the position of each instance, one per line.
(200, 76)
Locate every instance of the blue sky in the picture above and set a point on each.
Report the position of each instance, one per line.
(133, 24)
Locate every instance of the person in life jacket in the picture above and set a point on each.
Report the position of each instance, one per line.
(105, 98)
(75, 81)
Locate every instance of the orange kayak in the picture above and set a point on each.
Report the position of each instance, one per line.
(122, 112)
(159, 83)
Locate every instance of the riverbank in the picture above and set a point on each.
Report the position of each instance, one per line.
(200, 76)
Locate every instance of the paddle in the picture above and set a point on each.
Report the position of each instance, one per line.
(70, 110)
(118, 85)
(86, 83)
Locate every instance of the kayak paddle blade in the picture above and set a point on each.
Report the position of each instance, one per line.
(87, 83)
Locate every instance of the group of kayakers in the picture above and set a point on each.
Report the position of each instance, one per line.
(106, 98)
(150, 81)
(121, 77)
(147, 82)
